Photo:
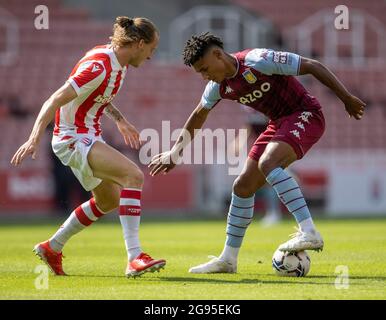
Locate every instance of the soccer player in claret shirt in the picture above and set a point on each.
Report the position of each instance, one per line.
(115, 181)
(264, 80)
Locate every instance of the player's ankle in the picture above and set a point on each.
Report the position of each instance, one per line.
(55, 245)
(229, 254)
(307, 226)
(133, 253)
(231, 261)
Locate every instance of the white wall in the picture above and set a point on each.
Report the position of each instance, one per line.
(356, 180)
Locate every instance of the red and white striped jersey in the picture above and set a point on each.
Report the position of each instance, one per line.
(96, 78)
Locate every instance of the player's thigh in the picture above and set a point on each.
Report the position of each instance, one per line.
(109, 164)
(276, 154)
(107, 195)
(294, 136)
(249, 180)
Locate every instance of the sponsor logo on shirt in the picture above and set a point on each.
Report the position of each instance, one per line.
(296, 133)
(264, 55)
(300, 125)
(228, 89)
(255, 94)
(280, 57)
(103, 100)
(249, 76)
(305, 115)
(95, 68)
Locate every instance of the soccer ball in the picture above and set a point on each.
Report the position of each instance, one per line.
(291, 264)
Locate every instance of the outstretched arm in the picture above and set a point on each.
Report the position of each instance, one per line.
(166, 161)
(354, 106)
(60, 98)
(113, 113)
(128, 131)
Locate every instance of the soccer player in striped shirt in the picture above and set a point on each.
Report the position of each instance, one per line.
(263, 80)
(115, 181)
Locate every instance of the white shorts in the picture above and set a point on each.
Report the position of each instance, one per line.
(72, 150)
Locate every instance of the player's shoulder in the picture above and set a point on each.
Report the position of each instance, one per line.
(256, 55)
(100, 49)
(93, 66)
(100, 54)
(240, 55)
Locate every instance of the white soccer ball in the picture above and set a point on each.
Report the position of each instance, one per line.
(291, 264)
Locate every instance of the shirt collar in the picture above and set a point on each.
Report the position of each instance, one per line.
(114, 58)
(237, 68)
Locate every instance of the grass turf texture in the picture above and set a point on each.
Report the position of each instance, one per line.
(96, 260)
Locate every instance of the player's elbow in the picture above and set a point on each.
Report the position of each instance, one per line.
(62, 96)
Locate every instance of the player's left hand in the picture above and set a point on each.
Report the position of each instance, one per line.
(129, 133)
(354, 106)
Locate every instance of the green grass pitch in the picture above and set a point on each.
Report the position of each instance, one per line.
(96, 259)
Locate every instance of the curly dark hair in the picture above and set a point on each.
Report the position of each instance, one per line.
(197, 46)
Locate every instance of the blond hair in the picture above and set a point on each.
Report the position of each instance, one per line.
(130, 30)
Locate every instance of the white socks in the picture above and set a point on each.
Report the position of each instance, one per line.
(229, 254)
(80, 218)
(130, 215)
(307, 225)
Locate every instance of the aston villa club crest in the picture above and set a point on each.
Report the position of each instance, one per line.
(249, 76)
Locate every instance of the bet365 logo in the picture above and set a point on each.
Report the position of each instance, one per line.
(103, 100)
(255, 94)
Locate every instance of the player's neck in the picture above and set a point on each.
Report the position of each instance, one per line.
(123, 56)
(231, 66)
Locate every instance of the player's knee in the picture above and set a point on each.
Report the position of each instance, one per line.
(267, 164)
(242, 188)
(133, 178)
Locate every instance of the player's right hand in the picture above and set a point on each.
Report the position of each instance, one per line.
(28, 148)
(355, 107)
(162, 163)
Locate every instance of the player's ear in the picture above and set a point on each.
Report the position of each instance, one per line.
(217, 52)
(141, 43)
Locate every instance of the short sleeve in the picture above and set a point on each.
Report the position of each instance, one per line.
(270, 62)
(211, 95)
(88, 76)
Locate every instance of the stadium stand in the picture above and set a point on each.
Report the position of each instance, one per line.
(160, 91)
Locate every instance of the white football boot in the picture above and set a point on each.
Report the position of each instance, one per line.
(303, 241)
(215, 265)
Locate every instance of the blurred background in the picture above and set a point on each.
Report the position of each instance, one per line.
(344, 175)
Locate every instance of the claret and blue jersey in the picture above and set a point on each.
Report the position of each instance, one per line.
(264, 81)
